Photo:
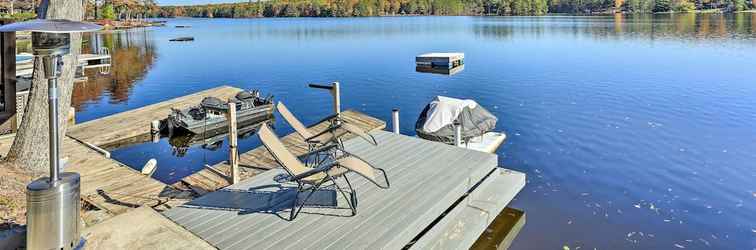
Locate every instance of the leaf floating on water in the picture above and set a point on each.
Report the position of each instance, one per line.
(565, 247)
(637, 206)
(706, 242)
(679, 246)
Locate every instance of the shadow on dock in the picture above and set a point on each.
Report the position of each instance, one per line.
(274, 199)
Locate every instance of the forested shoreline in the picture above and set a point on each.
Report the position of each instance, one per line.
(350, 8)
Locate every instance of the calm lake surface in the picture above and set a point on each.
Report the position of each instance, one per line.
(636, 132)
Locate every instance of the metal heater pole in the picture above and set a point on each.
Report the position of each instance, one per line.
(52, 92)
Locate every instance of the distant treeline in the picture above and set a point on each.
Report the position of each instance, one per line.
(349, 8)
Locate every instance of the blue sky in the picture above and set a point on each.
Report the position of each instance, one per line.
(192, 2)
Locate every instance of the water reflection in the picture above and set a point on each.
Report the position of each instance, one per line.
(638, 128)
(212, 140)
(686, 26)
(133, 54)
(440, 70)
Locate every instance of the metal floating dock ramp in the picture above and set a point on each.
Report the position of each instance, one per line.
(428, 179)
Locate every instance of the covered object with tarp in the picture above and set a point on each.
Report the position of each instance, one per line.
(436, 122)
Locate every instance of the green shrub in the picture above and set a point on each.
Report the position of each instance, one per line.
(662, 5)
(683, 6)
(20, 16)
(108, 12)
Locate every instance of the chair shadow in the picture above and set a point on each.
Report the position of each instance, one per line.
(274, 199)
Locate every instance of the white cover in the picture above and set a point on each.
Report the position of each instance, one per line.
(444, 110)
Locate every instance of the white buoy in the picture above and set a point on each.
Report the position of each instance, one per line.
(149, 167)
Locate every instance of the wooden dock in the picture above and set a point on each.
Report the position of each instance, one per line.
(88, 61)
(257, 160)
(141, 228)
(108, 184)
(428, 180)
(133, 126)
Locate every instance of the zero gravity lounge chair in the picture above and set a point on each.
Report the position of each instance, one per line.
(311, 179)
(328, 136)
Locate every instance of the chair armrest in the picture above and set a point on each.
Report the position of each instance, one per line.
(319, 150)
(313, 171)
(328, 118)
(313, 138)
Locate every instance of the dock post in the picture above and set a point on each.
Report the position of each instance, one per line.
(336, 92)
(155, 130)
(395, 120)
(457, 133)
(233, 159)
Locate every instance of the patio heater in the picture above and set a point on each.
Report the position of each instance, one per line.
(52, 203)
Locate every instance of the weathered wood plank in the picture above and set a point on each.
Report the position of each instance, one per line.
(259, 159)
(141, 228)
(108, 184)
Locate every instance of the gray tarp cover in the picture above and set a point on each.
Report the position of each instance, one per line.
(436, 120)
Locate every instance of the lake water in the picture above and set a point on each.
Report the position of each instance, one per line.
(635, 132)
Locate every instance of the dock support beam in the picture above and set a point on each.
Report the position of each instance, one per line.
(336, 91)
(155, 130)
(395, 120)
(457, 133)
(233, 151)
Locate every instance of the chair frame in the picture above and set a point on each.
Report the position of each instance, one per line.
(311, 187)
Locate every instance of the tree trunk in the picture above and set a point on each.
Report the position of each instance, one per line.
(30, 150)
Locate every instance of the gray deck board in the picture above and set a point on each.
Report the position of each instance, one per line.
(426, 178)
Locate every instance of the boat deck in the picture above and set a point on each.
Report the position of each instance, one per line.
(133, 126)
(257, 160)
(428, 179)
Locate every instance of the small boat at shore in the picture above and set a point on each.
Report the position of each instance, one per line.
(210, 114)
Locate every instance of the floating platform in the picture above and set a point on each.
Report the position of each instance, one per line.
(441, 196)
(182, 39)
(440, 60)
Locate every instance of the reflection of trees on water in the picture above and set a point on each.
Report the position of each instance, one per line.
(133, 54)
(688, 26)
